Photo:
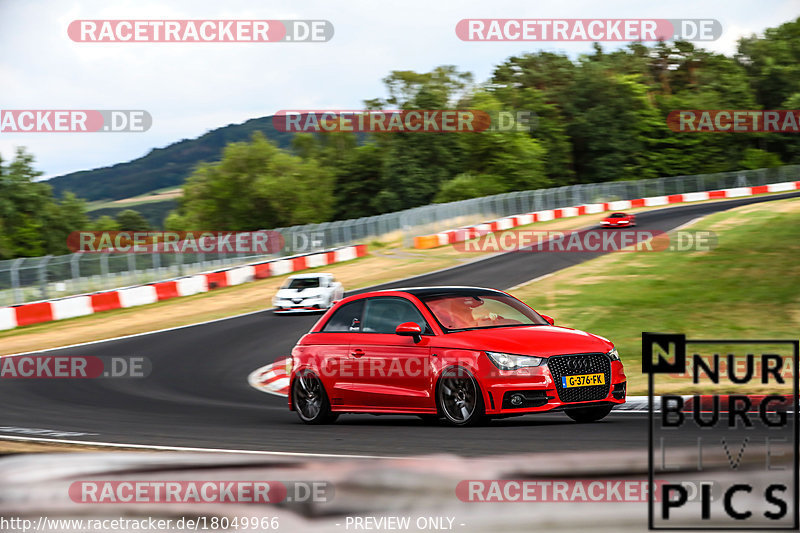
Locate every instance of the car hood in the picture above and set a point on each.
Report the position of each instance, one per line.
(532, 340)
(304, 293)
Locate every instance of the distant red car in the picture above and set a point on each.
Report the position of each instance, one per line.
(616, 220)
(461, 354)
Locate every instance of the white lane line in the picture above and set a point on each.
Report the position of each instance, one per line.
(216, 450)
(191, 449)
(45, 432)
(515, 287)
(240, 315)
(691, 222)
(133, 335)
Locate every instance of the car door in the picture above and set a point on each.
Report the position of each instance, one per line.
(332, 352)
(393, 371)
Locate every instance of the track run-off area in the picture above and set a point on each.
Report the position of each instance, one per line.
(197, 394)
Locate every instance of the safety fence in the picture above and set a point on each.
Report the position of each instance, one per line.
(30, 279)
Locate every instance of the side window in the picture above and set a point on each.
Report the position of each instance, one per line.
(383, 315)
(346, 318)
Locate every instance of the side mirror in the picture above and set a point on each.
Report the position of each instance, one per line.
(410, 329)
(549, 319)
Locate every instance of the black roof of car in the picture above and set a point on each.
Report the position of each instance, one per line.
(456, 290)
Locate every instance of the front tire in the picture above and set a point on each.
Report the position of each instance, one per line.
(310, 400)
(584, 415)
(459, 398)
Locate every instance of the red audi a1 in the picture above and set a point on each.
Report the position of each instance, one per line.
(461, 354)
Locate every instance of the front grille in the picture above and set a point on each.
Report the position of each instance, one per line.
(584, 363)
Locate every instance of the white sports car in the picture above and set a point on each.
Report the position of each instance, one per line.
(308, 293)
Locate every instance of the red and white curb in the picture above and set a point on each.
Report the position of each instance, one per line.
(89, 304)
(274, 379)
(505, 223)
(639, 404)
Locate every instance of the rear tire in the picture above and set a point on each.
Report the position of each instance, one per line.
(584, 415)
(459, 398)
(310, 400)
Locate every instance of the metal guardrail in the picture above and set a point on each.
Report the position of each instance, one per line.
(36, 278)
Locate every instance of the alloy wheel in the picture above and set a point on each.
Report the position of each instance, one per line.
(308, 396)
(458, 396)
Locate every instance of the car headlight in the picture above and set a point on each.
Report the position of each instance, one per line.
(613, 355)
(507, 361)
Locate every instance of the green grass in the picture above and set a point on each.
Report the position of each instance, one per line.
(747, 287)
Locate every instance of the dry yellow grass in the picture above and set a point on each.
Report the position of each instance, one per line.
(8, 447)
(154, 197)
(387, 261)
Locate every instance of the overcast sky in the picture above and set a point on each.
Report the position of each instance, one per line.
(190, 88)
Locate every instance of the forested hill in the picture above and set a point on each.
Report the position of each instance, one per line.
(162, 167)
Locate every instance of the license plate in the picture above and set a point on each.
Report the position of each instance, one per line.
(583, 380)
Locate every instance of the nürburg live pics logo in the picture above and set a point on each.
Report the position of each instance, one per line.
(723, 433)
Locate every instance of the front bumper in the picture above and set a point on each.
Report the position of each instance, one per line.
(308, 305)
(299, 309)
(536, 391)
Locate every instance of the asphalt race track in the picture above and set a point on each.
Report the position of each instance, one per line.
(197, 394)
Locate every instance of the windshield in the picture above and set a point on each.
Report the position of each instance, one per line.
(456, 312)
(618, 215)
(302, 283)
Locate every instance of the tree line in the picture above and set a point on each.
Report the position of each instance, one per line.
(601, 117)
(34, 223)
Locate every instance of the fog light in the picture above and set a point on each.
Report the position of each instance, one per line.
(517, 400)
